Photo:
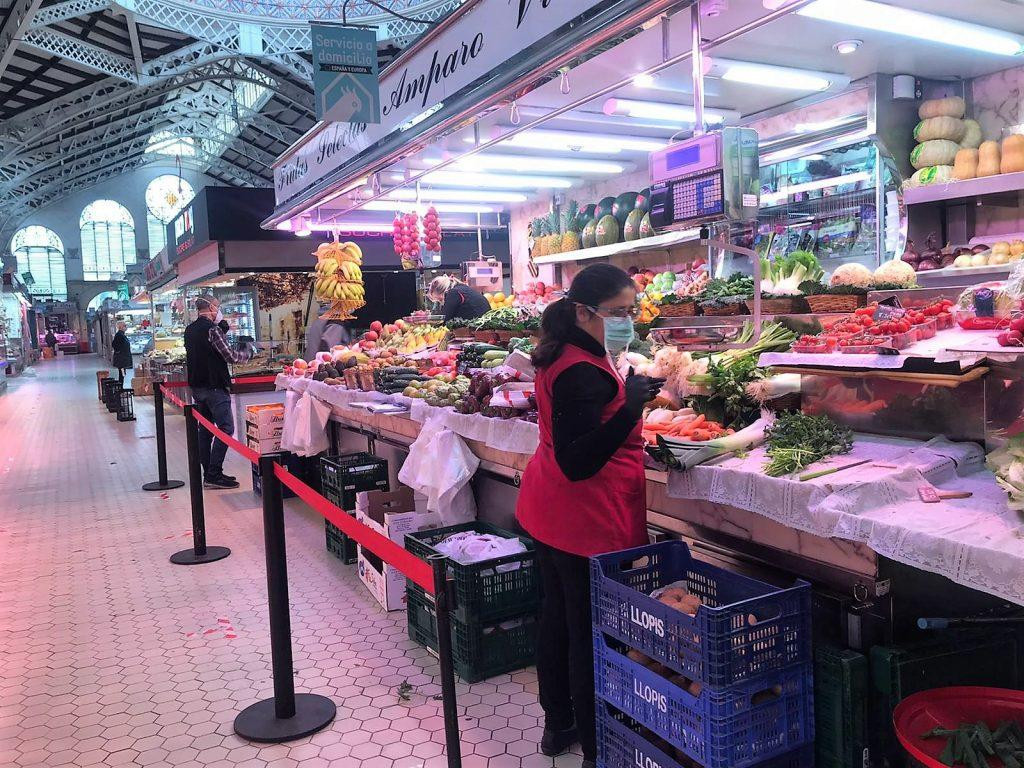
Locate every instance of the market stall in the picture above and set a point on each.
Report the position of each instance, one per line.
(828, 263)
(15, 335)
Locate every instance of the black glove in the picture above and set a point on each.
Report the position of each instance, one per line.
(223, 325)
(641, 390)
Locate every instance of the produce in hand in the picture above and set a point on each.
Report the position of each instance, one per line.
(796, 440)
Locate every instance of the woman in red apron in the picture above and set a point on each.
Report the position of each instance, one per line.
(583, 492)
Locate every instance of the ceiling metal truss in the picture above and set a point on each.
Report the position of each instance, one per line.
(86, 84)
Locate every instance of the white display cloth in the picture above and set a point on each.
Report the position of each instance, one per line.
(977, 542)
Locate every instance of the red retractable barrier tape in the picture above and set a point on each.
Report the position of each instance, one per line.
(172, 397)
(382, 546)
(247, 453)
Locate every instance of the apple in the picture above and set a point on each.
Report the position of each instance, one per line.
(1017, 324)
(371, 336)
(377, 326)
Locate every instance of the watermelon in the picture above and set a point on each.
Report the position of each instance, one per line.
(590, 234)
(643, 200)
(604, 208)
(632, 229)
(624, 203)
(584, 216)
(607, 231)
(646, 230)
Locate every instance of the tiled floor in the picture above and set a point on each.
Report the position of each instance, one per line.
(111, 656)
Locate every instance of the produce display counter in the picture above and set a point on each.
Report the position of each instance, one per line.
(832, 527)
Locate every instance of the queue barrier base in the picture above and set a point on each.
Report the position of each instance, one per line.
(259, 722)
(189, 556)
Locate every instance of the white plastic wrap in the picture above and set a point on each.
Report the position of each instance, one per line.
(440, 466)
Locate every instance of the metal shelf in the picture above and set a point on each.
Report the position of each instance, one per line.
(957, 190)
(656, 243)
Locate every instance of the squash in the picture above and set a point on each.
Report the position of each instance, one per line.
(1012, 159)
(988, 158)
(940, 128)
(951, 106)
(965, 165)
(934, 152)
(972, 135)
(938, 174)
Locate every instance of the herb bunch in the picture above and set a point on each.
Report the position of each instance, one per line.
(797, 440)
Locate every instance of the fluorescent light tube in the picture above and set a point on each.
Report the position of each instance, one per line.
(485, 162)
(867, 14)
(588, 143)
(771, 76)
(459, 195)
(352, 226)
(384, 205)
(809, 186)
(670, 113)
(507, 181)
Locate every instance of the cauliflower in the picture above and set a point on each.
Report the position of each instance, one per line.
(896, 272)
(856, 275)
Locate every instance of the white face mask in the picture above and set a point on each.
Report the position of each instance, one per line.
(218, 318)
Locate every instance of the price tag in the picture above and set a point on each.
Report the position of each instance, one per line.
(885, 312)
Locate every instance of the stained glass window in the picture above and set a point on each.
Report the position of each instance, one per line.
(108, 240)
(165, 197)
(40, 252)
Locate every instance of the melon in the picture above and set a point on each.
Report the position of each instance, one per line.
(590, 234)
(646, 230)
(631, 231)
(585, 215)
(624, 203)
(607, 231)
(643, 200)
(604, 208)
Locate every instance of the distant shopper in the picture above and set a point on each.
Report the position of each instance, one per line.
(122, 357)
(456, 298)
(322, 335)
(207, 354)
(51, 341)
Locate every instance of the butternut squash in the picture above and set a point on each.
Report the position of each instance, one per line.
(972, 135)
(940, 128)
(951, 106)
(988, 158)
(1012, 159)
(965, 166)
(934, 152)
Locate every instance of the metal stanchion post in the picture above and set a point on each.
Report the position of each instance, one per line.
(163, 484)
(288, 715)
(200, 553)
(442, 602)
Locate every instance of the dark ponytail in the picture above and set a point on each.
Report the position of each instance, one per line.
(592, 286)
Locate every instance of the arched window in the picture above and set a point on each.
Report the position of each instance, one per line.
(165, 197)
(108, 240)
(40, 252)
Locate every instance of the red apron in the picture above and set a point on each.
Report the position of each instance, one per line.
(604, 513)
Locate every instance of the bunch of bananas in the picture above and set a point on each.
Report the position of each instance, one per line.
(338, 276)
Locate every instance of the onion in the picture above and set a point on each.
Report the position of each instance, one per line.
(979, 248)
(948, 259)
(926, 265)
(932, 253)
(910, 257)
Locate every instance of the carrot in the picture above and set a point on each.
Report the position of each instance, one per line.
(699, 420)
(656, 427)
(700, 435)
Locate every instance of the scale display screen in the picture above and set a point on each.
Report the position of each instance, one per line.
(680, 159)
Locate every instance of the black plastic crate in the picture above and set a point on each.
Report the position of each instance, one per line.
(480, 650)
(340, 545)
(342, 477)
(840, 708)
(488, 590)
(257, 479)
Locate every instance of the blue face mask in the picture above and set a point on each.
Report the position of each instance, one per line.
(618, 333)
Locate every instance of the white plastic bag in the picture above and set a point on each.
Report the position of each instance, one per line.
(310, 436)
(440, 466)
(291, 402)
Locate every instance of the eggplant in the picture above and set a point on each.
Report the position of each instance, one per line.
(926, 265)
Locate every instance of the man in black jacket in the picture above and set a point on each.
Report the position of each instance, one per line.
(207, 354)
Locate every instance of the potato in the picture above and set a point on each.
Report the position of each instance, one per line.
(1001, 247)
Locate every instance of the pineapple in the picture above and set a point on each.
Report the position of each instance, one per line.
(571, 231)
(554, 238)
(540, 241)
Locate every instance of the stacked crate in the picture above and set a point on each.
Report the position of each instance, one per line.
(840, 708)
(729, 687)
(494, 619)
(341, 478)
(264, 423)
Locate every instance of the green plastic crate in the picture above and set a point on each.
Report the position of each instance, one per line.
(340, 545)
(480, 650)
(488, 590)
(984, 658)
(341, 478)
(840, 708)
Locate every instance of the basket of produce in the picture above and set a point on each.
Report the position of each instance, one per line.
(721, 298)
(490, 589)
(740, 725)
(724, 629)
(717, 308)
(962, 726)
(485, 336)
(504, 337)
(824, 303)
(775, 305)
(682, 308)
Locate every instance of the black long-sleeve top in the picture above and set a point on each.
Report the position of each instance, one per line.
(465, 302)
(583, 444)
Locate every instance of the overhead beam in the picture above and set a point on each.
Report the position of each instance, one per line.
(15, 25)
(133, 37)
(70, 9)
(88, 55)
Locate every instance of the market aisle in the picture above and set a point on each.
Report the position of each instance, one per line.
(113, 656)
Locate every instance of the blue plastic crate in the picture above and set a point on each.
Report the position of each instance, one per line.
(621, 744)
(742, 725)
(743, 630)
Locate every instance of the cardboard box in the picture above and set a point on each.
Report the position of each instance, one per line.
(394, 514)
(269, 414)
(271, 445)
(263, 431)
(385, 582)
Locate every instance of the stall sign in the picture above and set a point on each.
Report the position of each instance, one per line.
(345, 83)
(156, 267)
(484, 39)
(184, 231)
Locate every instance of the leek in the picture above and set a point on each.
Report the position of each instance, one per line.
(684, 454)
